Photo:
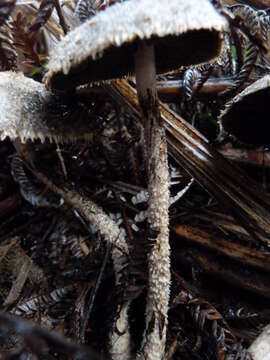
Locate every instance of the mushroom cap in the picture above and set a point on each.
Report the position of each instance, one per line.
(30, 112)
(247, 115)
(185, 32)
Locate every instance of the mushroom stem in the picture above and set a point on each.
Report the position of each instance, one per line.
(260, 348)
(145, 71)
(153, 344)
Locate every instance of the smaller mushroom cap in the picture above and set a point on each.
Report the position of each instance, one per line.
(247, 115)
(185, 32)
(30, 112)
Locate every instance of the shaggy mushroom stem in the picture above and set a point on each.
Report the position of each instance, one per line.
(153, 345)
(145, 71)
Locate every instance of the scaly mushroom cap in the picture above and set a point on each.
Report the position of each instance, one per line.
(28, 111)
(185, 32)
(246, 116)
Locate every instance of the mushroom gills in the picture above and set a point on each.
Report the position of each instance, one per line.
(246, 116)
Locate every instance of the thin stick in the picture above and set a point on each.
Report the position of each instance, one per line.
(244, 254)
(38, 339)
(62, 161)
(173, 89)
(62, 21)
(240, 276)
(94, 292)
(255, 157)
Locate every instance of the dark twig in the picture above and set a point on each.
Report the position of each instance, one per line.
(94, 292)
(36, 337)
(44, 13)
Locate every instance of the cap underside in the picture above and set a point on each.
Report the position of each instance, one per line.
(171, 53)
(248, 119)
(30, 112)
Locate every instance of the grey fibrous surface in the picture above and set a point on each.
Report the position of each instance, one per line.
(29, 112)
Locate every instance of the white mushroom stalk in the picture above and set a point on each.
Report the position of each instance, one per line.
(154, 339)
(260, 348)
(120, 336)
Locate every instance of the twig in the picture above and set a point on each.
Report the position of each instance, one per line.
(256, 282)
(244, 254)
(35, 336)
(255, 157)
(61, 17)
(62, 161)
(19, 282)
(94, 292)
(172, 89)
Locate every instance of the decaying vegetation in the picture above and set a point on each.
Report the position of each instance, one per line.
(128, 229)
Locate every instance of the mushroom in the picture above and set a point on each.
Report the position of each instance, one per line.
(246, 116)
(29, 112)
(184, 32)
(143, 37)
